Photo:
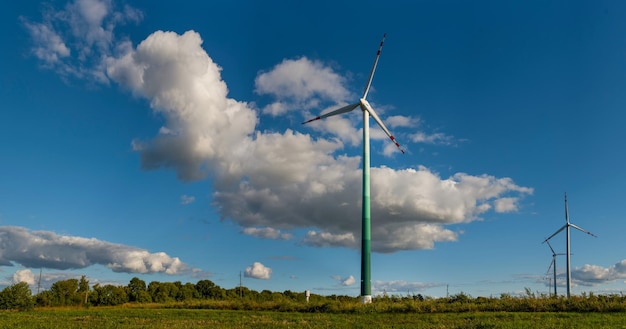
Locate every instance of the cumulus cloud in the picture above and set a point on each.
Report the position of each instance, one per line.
(267, 233)
(24, 276)
(37, 249)
(261, 181)
(258, 271)
(204, 129)
(590, 275)
(300, 84)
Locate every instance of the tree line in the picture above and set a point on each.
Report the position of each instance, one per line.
(206, 294)
(75, 292)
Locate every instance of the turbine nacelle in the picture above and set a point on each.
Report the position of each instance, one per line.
(365, 107)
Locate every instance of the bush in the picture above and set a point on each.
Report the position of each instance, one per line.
(16, 297)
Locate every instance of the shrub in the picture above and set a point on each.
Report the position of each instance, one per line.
(16, 297)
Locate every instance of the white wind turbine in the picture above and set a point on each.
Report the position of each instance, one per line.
(553, 264)
(566, 227)
(366, 285)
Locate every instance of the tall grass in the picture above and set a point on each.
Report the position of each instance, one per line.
(458, 311)
(454, 304)
(177, 318)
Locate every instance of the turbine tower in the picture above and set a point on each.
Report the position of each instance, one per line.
(553, 264)
(549, 279)
(366, 284)
(566, 227)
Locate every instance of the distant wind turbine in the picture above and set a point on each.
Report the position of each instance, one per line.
(566, 227)
(366, 284)
(553, 264)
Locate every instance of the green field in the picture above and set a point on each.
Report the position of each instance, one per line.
(154, 318)
(73, 303)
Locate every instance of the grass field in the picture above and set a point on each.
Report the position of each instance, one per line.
(156, 318)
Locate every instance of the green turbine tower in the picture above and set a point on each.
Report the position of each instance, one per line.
(366, 236)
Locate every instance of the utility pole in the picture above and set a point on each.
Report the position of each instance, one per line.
(240, 289)
(39, 282)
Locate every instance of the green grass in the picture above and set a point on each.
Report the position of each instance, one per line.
(156, 318)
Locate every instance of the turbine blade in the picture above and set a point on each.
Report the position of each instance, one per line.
(582, 230)
(344, 109)
(555, 233)
(365, 106)
(550, 267)
(566, 214)
(548, 242)
(369, 80)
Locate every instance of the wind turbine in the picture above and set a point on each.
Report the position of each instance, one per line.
(549, 279)
(553, 264)
(366, 284)
(566, 227)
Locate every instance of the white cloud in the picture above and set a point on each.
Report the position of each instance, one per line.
(185, 86)
(49, 47)
(76, 41)
(395, 121)
(37, 249)
(300, 84)
(350, 280)
(409, 237)
(261, 181)
(593, 274)
(505, 204)
(344, 281)
(401, 286)
(24, 276)
(258, 271)
(436, 138)
(186, 199)
(267, 233)
(326, 239)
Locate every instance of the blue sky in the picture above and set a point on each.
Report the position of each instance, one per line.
(163, 141)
